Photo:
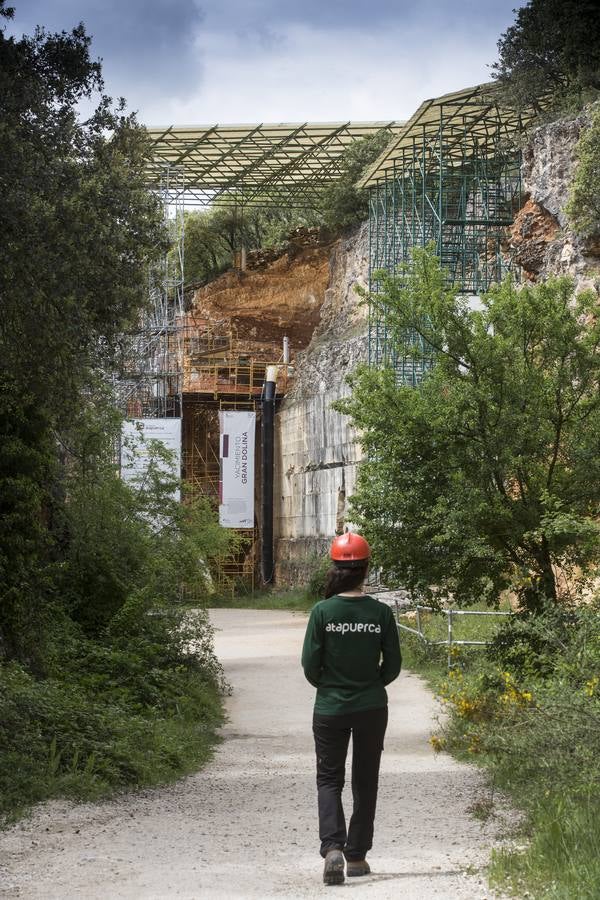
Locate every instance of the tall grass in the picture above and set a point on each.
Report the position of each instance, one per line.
(293, 600)
(527, 708)
(113, 715)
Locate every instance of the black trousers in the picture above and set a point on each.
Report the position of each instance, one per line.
(332, 736)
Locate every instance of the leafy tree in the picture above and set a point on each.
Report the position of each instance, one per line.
(343, 203)
(78, 232)
(551, 54)
(131, 545)
(213, 236)
(583, 208)
(205, 252)
(102, 682)
(78, 225)
(486, 476)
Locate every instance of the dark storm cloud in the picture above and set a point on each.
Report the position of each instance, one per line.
(147, 46)
(191, 61)
(351, 14)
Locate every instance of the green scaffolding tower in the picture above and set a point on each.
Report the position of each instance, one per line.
(451, 179)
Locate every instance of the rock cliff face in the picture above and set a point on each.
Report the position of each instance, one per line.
(316, 449)
(540, 238)
(317, 452)
(281, 296)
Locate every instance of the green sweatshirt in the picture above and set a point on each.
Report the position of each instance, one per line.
(351, 651)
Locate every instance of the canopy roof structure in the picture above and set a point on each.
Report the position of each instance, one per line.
(470, 119)
(266, 165)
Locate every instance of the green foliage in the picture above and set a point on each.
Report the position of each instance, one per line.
(129, 692)
(213, 236)
(343, 203)
(27, 473)
(131, 548)
(486, 476)
(583, 208)
(78, 231)
(315, 588)
(531, 645)
(113, 714)
(551, 55)
(101, 685)
(537, 727)
(562, 860)
(78, 224)
(529, 711)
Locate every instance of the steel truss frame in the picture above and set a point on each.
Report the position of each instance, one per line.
(257, 165)
(451, 180)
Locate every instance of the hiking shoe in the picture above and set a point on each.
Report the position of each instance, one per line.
(357, 867)
(333, 872)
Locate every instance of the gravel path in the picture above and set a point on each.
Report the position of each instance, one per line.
(245, 827)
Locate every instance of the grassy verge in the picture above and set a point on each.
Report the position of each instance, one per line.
(432, 661)
(110, 715)
(293, 600)
(528, 710)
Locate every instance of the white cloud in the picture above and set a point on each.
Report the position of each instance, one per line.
(323, 76)
(203, 61)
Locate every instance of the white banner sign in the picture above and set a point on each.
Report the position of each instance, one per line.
(135, 452)
(236, 488)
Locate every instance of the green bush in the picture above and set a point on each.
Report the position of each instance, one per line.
(529, 710)
(114, 714)
(343, 203)
(128, 691)
(583, 208)
(315, 587)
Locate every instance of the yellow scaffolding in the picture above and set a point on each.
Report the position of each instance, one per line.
(218, 364)
(220, 372)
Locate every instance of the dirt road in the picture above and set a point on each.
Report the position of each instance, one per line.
(245, 827)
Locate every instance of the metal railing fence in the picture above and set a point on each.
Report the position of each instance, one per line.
(450, 641)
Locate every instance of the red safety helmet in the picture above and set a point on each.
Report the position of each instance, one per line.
(350, 550)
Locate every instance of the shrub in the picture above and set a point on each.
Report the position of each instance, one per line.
(530, 711)
(583, 208)
(315, 588)
(114, 714)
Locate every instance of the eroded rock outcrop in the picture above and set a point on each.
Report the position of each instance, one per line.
(533, 229)
(317, 451)
(541, 239)
(276, 297)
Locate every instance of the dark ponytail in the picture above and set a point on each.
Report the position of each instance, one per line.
(341, 579)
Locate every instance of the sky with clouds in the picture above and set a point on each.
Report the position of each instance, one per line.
(188, 62)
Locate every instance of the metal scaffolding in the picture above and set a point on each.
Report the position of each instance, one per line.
(452, 180)
(278, 165)
(149, 379)
(201, 473)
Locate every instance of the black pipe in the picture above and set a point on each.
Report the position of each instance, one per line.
(268, 419)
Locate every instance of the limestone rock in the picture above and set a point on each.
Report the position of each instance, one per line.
(533, 229)
(541, 248)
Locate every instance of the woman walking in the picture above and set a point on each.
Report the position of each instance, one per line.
(351, 651)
